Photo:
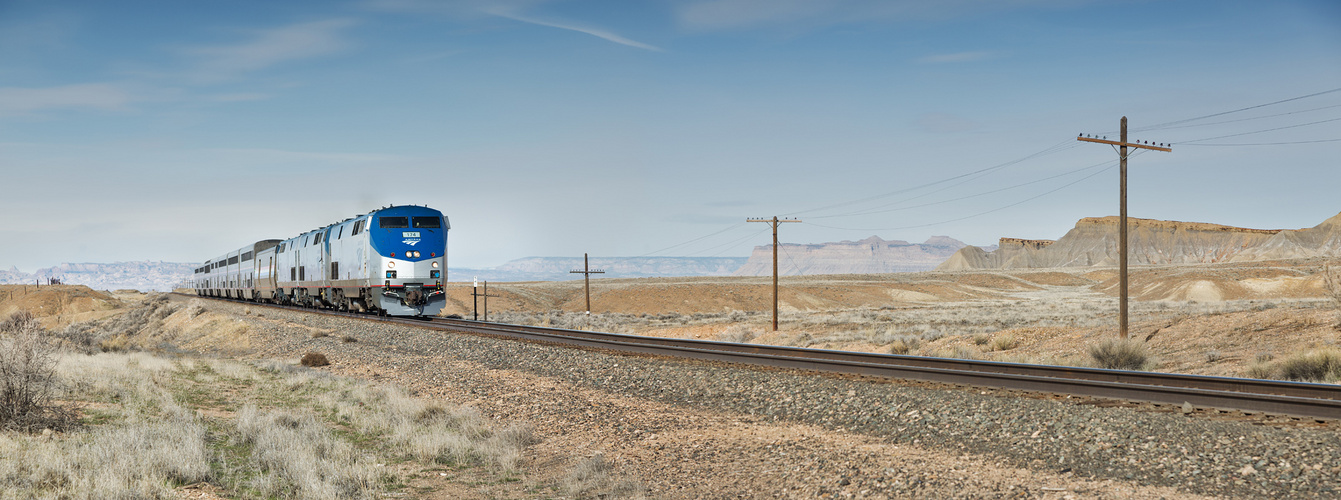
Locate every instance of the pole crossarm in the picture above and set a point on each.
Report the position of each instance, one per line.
(774, 222)
(1167, 148)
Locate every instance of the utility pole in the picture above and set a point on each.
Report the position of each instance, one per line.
(586, 273)
(774, 222)
(1122, 146)
(486, 301)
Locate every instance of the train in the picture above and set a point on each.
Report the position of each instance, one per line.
(391, 261)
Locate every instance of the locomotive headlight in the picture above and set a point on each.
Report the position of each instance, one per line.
(435, 264)
(391, 265)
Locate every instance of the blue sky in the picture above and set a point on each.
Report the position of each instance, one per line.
(176, 130)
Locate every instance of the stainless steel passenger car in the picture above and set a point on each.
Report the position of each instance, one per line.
(391, 261)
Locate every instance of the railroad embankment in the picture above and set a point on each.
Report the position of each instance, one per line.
(691, 429)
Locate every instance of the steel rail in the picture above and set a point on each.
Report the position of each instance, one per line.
(1299, 399)
(1249, 395)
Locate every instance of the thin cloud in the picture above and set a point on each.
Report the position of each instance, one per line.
(714, 15)
(103, 96)
(240, 97)
(261, 155)
(602, 34)
(957, 57)
(269, 48)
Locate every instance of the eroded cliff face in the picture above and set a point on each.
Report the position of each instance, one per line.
(1094, 242)
(869, 256)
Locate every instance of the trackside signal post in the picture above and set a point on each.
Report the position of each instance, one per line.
(1121, 146)
(774, 222)
(586, 273)
(475, 294)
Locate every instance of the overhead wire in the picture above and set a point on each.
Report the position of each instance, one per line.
(951, 200)
(1061, 146)
(1256, 132)
(728, 244)
(1267, 143)
(1320, 108)
(788, 255)
(1158, 126)
(979, 214)
(694, 240)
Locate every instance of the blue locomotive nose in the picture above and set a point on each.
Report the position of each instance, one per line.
(409, 233)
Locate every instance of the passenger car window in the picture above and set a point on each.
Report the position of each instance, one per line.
(393, 222)
(429, 222)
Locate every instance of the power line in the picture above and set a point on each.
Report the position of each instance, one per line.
(1266, 143)
(1061, 146)
(736, 225)
(1213, 115)
(728, 244)
(942, 202)
(1243, 119)
(998, 209)
(1259, 131)
(788, 255)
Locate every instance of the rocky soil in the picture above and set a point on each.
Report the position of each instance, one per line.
(673, 429)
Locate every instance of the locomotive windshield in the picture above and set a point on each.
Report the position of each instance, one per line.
(430, 222)
(393, 222)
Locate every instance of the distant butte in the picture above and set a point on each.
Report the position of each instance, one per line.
(869, 256)
(1094, 242)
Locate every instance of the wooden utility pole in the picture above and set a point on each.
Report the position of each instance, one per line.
(1122, 146)
(774, 222)
(586, 273)
(486, 301)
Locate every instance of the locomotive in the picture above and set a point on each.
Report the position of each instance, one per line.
(389, 261)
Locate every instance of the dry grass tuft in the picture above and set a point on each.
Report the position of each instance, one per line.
(902, 346)
(738, 334)
(1312, 366)
(1121, 354)
(348, 339)
(1004, 342)
(982, 338)
(314, 359)
(965, 352)
(595, 478)
(298, 456)
(149, 446)
(1262, 370)
(425, 431)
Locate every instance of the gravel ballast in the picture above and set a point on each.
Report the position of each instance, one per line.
(1193, 454)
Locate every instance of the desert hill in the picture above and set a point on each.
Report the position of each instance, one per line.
(869, 256)
(1094, 242)
(138, 275)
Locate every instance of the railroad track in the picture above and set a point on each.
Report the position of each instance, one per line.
(1297, 399)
